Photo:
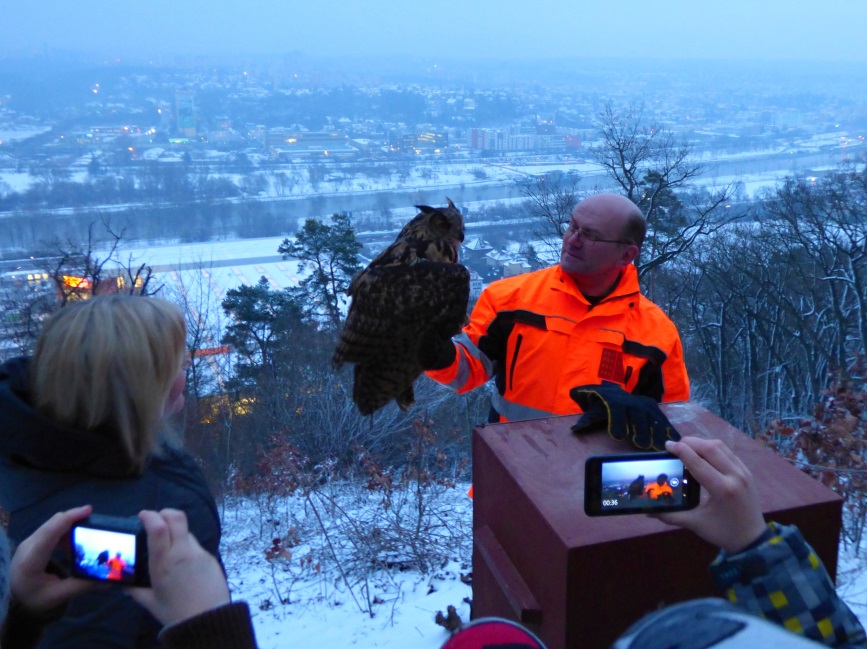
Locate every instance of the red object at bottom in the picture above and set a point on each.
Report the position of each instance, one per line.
(490, 633)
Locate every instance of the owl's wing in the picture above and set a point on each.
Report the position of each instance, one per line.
(393, 306)
(434, 296)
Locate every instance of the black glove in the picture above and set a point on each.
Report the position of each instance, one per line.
(436, 353)
(629, 417)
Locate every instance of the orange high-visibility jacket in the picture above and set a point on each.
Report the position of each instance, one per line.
(654, 490)
(116, 566)
(539, 337)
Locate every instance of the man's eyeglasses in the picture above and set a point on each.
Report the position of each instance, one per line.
(589, 238)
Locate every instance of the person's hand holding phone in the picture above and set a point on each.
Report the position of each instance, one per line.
(730, 515)
(36, 589)
(186, 579)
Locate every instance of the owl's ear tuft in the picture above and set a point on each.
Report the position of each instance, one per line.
(439, 221)
(427, 209)
(451, 205)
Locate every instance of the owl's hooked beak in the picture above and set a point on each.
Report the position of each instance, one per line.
(456, 246)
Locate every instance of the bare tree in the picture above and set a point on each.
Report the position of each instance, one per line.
(777, 305)
(824, 227)
(24, 306)
(645, 161)
(83, 267)
(550, 199)
(656, 171)
(197, 296)
(74, 270)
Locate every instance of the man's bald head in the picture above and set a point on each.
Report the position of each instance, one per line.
(604, 236)
(618, 209)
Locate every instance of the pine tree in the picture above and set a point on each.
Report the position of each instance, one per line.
(262, 322)
(330, 253)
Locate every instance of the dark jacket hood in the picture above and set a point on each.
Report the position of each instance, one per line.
(29, 438)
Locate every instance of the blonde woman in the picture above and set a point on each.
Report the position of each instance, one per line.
(85, 421)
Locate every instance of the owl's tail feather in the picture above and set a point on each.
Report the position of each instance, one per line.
(366, 397)
(373, 388)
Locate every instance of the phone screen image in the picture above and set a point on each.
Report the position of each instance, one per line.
(639, 483)
(104, 554)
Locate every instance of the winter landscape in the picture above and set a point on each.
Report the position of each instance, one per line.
(246, 162)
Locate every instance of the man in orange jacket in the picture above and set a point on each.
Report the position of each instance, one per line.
(115, 567)
(581, 322)
(659, 489)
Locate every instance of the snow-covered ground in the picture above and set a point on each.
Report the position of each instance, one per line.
(10, 133)
(852, 580)
(214, 266)
(295, 180)
(335, 594)
(16, 181)
(388, 608)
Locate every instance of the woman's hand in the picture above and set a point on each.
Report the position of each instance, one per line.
(37, 590)
(186, 580)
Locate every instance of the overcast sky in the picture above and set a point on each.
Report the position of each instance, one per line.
(815, 30)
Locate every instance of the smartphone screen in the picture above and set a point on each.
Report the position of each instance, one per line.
(106, 555)
(638, 483)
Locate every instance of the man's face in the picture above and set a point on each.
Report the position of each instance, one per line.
(581, 257)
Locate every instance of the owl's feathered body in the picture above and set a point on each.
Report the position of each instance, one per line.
(413, 292)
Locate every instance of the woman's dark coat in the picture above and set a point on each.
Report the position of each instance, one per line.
(46, 468)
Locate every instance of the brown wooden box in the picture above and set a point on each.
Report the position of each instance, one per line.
(579, 581)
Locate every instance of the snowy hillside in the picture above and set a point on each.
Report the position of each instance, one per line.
(333, 600)
(353, 566)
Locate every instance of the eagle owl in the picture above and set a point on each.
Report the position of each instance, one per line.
(413, 293)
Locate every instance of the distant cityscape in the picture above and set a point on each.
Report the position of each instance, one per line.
(197, 151)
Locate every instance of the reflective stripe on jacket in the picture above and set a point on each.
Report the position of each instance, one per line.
(539, 337)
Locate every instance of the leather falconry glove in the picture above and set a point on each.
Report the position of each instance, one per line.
(629, 417)
(436, 353)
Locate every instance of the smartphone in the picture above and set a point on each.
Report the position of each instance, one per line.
(638, 483)
(110, 548)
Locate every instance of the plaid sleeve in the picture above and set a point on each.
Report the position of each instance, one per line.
(783, 580)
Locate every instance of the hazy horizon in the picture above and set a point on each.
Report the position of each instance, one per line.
(502, 30)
